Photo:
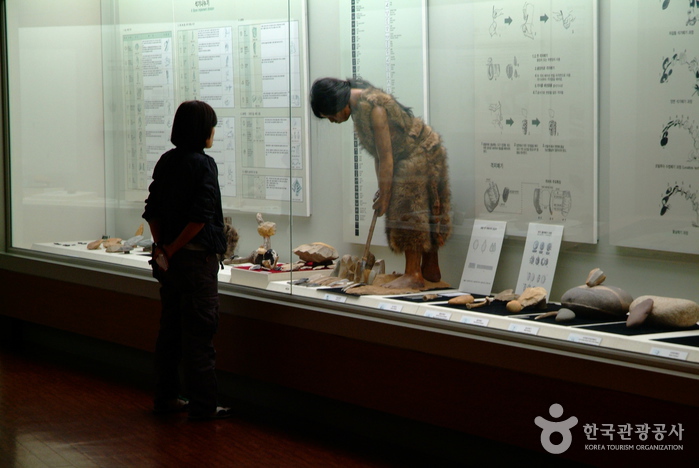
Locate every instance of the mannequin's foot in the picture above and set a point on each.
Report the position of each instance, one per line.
(406, 282)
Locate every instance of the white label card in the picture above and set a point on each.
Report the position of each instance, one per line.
(335, 298)
(482, 257)
(438, 314)
(391, 307)
(540, 256)
(669, 353)
(481, 322)
(585, 339)
(521, 328)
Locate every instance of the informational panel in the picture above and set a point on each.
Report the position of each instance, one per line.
(482, 257)
(540, 257)
(383, 42)
(536, 114)
(654, 147)
(249, 63)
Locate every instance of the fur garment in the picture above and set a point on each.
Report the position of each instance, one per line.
(418, 213)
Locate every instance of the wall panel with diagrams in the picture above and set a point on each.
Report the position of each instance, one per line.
(249, 63)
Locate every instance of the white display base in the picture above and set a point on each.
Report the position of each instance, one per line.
(240, 274)
(136, 258)
(648, 344)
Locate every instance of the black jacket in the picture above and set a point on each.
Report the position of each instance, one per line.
(185, 189)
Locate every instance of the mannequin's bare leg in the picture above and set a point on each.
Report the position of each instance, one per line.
(430, 266)
(412, 278)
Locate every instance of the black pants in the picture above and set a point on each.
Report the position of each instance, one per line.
(189, 320)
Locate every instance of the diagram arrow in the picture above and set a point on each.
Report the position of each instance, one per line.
(544, 18)
(536, 122)
(509, 122)
(508, 21)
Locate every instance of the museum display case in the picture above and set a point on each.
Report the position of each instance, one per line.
(566, 151)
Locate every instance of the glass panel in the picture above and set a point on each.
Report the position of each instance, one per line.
(511, 88)
(84, 142)
(56, 130)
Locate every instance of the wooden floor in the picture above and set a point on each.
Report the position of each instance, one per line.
(55, 414)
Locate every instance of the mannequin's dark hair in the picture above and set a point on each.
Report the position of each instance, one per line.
(193, 123)
(330, 95)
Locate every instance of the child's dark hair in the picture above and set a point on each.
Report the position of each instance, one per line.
(193, 123)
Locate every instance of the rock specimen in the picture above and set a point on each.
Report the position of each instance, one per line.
(565, 315)
(597, 301)
(94, 245)
(316, 252)
(529, 297)
(663, 311)
(506, 295)
(595, 277)
(593, 300)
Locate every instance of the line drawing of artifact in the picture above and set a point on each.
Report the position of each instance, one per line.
(535, 246)
(542, 198)
(497, 12)
(561, 201)
(691, 127)
(689, 195)
(681, 59)
(496, 111)
(491, 197)
(565, 20)
(475, 244)
(493, 247)
(528, 16)
(493, 69)
(556, 200)
(484, 246)
(525, 124)
(505, 194)
(691, 12)
(512, 69)
(553, 125)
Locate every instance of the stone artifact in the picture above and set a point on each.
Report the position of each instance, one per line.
(565, 315)
(597, 301)
(530, 297)
(461, 300)
(506, 295)
(663, 311)
(346, 267)
(94, 245)
(133, 241)
(316, 252)
(119, 248)
(595, 277)
(111, 241)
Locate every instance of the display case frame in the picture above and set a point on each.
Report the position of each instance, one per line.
(627, 267)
